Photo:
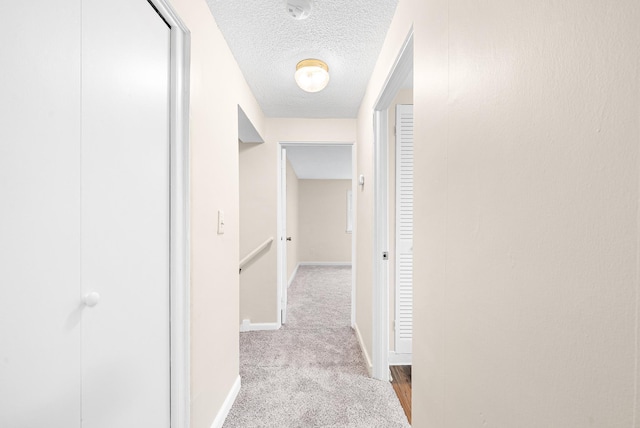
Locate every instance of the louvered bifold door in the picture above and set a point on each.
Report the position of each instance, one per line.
(404, 229)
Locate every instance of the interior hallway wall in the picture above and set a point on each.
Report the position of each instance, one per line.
(322, 221)
(526, 220)
(258, 276)
(292, 221)
(217, 87)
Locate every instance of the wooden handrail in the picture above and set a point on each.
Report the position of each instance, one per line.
(255, 252)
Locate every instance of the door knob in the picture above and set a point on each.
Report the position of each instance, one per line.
(288, 238)
(91, 299)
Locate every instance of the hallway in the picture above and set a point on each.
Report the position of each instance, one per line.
(311, 372)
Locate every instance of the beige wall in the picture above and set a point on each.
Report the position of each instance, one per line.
(323, 221)
(217, 87)
(311, 130)
(363, 199)
(259, 276)
(526, 232)
(405, 96)
(292, 221)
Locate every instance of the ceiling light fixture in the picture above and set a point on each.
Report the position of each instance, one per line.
(312, 75)
(299, 9)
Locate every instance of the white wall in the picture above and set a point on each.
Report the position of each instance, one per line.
(292, 221)
(217, 87)
(527, 130)
(322, 221)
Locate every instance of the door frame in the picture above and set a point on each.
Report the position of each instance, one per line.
(282, 279)
(401, 68)
(180, 228)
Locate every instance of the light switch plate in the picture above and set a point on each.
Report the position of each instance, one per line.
(220, 222)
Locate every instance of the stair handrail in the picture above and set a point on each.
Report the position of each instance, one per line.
(255, 252)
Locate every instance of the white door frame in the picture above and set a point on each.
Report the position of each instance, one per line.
(396, 78)
(283, 281)
(180, 281)
(282, 206)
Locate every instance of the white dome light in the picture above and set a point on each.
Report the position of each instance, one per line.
(312, 75)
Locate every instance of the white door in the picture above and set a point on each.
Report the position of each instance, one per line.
(404, 229)
(125, 215)
(40, 215)
(84, 187)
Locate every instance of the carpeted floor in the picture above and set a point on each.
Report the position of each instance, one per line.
(311, 373)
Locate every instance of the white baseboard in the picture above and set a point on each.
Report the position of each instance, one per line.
(247, 325)
(226, 406)
(293, 275)
(399, 359)
(364, 350)
(324, 264)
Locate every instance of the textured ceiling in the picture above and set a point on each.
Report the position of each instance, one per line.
(321, 162)
(268, 43)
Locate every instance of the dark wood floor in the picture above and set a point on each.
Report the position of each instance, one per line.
(401, 382)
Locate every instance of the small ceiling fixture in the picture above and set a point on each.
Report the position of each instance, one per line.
(299, 9)
(312, 75)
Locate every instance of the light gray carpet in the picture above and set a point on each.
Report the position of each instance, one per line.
(311, 373)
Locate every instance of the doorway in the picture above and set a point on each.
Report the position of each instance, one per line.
(400, 77)
(320, 166)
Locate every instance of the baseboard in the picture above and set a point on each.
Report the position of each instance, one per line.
(399, 359)
(364, 350)
(293, 275)
(247, 325)
(324, 264)
(226, 406)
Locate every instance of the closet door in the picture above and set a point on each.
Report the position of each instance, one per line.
(404, 229)
(40, 215)
(125, 215)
